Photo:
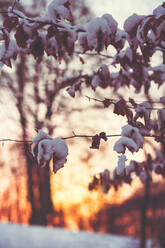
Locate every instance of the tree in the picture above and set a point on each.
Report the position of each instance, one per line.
(142, 38)
(28, 106)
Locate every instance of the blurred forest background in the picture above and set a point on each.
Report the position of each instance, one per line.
(31, 98)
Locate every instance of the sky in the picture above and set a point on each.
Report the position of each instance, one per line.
(118, 8)
(122, 9)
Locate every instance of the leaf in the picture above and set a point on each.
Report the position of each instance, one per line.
(21, 37)
(37, 48)
(107, 103)
(10, 23)
(94, 184)
(95, 142)
(51, 32)
(103, 136)
(81, 60)
(120, 107)
(133, 102)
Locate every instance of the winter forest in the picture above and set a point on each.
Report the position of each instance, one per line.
(82, 113)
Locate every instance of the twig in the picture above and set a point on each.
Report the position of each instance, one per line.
(33, 20)
(76, 136)
(93, 54)
(112, 101)
(14, 140)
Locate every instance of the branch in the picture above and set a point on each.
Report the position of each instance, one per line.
(33, 20)
(93, 54)
(112, 101)
(14, 140)
(78, 136)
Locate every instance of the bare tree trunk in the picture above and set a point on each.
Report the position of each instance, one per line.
(39, 193)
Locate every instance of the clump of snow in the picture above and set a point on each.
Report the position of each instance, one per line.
(105, 180)
(121, 165)
(112, 23)
(159, 11)
(100, 32)
(96, 81)
(97, 27)
(123, 143)
(58, 9)
(132, 21)
(134, 134)
(40, 136)
(131, 139)
(45, 148)
(7, 52)
(143, 110)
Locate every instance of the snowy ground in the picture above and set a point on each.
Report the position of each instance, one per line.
(18, 236)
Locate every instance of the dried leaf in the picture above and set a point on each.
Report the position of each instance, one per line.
(103, 136)
(107, 103)
(95, 142)
(120, 107)
(10, 23)
(21, 37)
(37, 48)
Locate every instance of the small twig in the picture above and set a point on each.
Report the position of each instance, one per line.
(112, 101)
(75, 136)
(14, 140)
(93, 54)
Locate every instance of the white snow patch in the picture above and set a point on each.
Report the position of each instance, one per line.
(18, 236)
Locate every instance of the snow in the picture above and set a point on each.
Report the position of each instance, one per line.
(132, 21)
(40, 136)
(95, 81)
(121, 165)
(100, 30)
(57, 9)
(159, 11)
(131, 139)
(112, 23)
(18, 236)
(7, 53)
(56, 148)
(133, 132)
(45, 148)
(124, 142)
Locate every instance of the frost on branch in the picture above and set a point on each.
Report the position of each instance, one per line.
(45, 148)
